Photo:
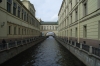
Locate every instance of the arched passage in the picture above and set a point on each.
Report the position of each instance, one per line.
(50, 34)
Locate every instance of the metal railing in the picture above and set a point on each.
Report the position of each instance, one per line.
(93, 50)
(3, 46)
(78, 45)
(11, 44)
(16, 43)
(96, 51)
(85, 47)
(24, 41)
(19, 43)
(73, 43)
(69, 41)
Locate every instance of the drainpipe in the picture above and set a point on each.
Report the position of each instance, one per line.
(68, 29)
(79, 24)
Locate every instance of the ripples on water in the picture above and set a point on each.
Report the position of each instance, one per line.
(48, 53)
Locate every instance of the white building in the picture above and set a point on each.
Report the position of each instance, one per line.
(17, 19)
(80, 20)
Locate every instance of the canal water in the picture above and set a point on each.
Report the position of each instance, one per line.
(47, 53)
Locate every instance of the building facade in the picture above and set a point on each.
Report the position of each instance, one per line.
(46, 27)
(17, 19)
(79, 20)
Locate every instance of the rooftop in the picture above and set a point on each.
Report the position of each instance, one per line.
(48, 23)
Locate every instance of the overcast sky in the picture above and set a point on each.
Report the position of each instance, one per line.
(47, 10)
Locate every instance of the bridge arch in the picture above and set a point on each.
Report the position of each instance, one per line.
(47, 27)
(50, 33)
(46, 33)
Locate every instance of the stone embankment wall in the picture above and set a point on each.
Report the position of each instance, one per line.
(12, 49)
(89, 55)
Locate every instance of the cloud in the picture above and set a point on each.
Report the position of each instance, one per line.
(47, 10)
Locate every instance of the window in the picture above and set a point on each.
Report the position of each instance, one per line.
(28, 31)
(25, 31)
(85, 31)
(67, 33)
(98, 3)
(22, 31)
(22, 13)
(19, 11)
(31, 32)
(50, 27)
(47, 27)
(76, 32)
(14, 8)
(56, 27)
(30, 19)
(71, 4)
(9, 30)
(27, 17)
(0, 1)
(85, 8)
(71, 32)
(14, 30)
(32, 22)
(76, 12)
(70, 1)
(67, 21)
(99, 29)
(43, 27)
(76, 1)
(71, 18)
(19, 31)
(53, 27)
(24, 16)
(9, 2)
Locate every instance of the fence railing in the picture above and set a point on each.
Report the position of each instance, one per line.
(85, 47)
(24, 41)
(78, 45)
(3, 46)
(96, 51)
(19, 43)
(16, 43)
(73, 43)
(11, 44)
(93, 50)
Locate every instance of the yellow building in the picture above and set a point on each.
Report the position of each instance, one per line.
(17, 19)
(79, 20)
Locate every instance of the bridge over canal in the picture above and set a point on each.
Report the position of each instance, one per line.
(47, 27)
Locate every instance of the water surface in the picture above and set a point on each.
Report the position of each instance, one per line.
(47, 53)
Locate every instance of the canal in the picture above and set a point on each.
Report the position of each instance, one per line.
(47, 53)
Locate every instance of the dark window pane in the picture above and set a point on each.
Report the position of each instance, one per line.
(8, 7)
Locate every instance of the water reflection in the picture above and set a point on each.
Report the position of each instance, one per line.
(48, 53)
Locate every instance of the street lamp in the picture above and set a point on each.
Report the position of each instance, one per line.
(2, 24)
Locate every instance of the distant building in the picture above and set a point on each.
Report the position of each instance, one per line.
(46, 27)
(17, 19)
(80, 20)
